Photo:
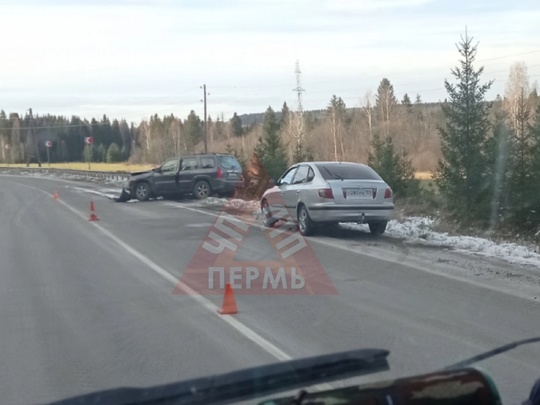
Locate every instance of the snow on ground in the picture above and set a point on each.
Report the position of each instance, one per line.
(419, 230)
(230, 203)
(102, 193)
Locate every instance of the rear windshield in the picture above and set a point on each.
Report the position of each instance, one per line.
(336, 171)
(229, 163)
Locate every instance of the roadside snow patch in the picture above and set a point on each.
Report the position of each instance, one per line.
(419, 230)
(230, 203)
(96, 192)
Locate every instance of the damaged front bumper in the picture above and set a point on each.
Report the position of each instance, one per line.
(124, 196)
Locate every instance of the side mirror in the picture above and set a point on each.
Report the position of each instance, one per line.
(272, 182)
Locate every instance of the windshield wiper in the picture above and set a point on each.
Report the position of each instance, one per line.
(492, 353)
(248, 383)
(336, 176)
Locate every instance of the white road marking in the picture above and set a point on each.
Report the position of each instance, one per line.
(231, 321)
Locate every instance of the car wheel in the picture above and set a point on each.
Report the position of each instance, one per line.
(305, 224)
(201, 190)
(142, 191)
(266, 215)
(377, 228)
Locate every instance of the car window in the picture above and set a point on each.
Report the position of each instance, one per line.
(190, 164)
(301, 175)
(340, 171)
(288, 176)
(170, 166)
(230, 163)
(311, 174)
(208, 162)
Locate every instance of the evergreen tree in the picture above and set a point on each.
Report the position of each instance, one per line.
(285, 114)
(385, 103)
(193, 128)
(114, 153)
(236, 125)
(4, 136)
(17, 146)
(270, 148)
(393, 167)
(406, 100)
(534, 184)
(462, 172)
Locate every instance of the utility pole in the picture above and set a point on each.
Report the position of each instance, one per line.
(205, 126)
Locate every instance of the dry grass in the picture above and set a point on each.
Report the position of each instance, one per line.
(423, 175)
(101, 167)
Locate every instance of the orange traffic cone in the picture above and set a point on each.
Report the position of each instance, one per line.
(93, 216)
(55, 195)
(229, 303)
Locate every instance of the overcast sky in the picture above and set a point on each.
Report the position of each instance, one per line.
(134, 58)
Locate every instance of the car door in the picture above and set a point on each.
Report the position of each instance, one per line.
(299, 184)
(188, 170)
(286, 188)
(165, 177)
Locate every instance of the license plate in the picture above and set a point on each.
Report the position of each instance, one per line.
(358, 193)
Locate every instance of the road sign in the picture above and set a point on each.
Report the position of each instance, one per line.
(88, 140)
(7, 146)
(48, 144)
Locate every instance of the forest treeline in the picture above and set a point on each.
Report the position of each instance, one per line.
(484, 155)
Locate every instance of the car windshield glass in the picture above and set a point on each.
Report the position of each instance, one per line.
(333, 171)
(230, 163)
(188, 188)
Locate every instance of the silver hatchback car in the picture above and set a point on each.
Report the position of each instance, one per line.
(319, 193)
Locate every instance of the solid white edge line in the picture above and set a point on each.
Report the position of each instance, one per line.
(235, 323)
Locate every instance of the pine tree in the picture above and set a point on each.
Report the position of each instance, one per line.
(285, 115)
(462, 172)
(534, 184)
(114, 154)
(394, 168)
(236, 125)
(385, 104)
(193, 128)
(406, 100)
(270, 148)
(4, 136)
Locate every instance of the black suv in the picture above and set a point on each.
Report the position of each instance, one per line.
(201, 175)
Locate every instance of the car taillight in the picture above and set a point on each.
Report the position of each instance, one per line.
(326, 193)
(219, 173)
(388, 193)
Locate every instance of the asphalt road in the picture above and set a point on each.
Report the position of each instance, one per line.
(86, 306)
